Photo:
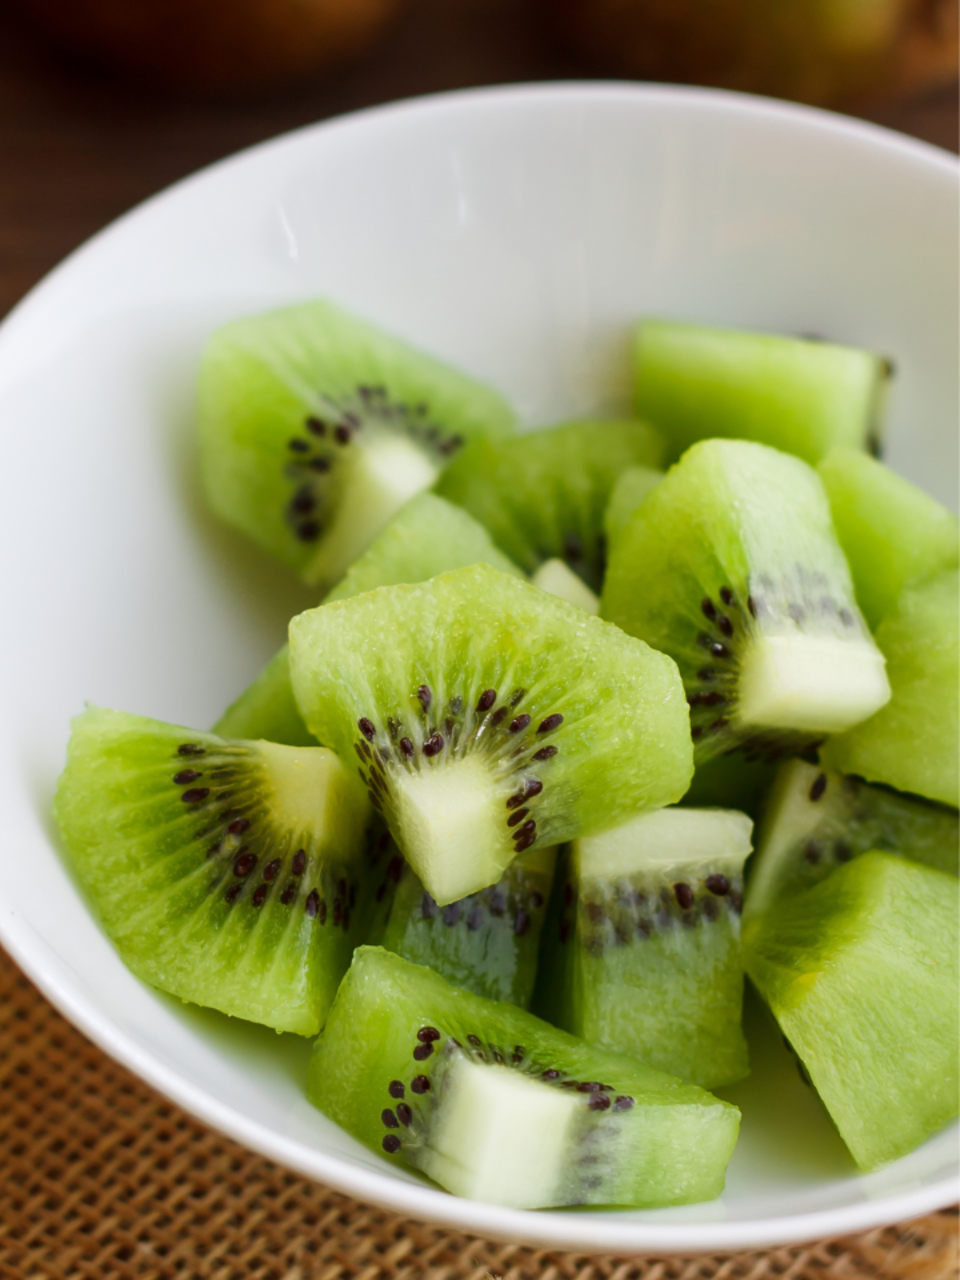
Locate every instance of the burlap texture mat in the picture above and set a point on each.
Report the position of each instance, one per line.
(103, 1179)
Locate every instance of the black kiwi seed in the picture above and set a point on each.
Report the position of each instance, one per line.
(396, 1089)
(708, 609)
(309, 531)
(289, 893)
(725, 625)
(623, 1103)
(303, 502)
(367, 728)
(517, 817)
(726, 595)
(589, 1086)
(193, 795)
(299, 864)
(391, 1143)
(271, 869)
(389, 1119)
(312, 904)
(404, 1114)
(486, 700)
(422, 1051)
(816, 791)
(519, 724)
(317, 426)
(232, 892)
(718, 884)
(238, 826)
(527, 829)
(545, 753)
(550, 1074)
(684, 895)
(259, 894)
(498, 716)
(406, 747)
(433, 745)
(428, 1034)
(811, 852)
(185, 776)
(190, 749)
(474, 1041)
(420, 1084)
(536, 899)
(550, 723)
(298, 446)
(319, 464)
(425, 696)
(244, 864)
(599, 1102)
(342, 434)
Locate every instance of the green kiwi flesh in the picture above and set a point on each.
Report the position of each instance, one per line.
(315, 428)
(487, 717)
(631, 488)
(892, 533)
(732, 567)
(494, 1104)
(912, 743)
(815, 820)
(645, 957)
(427, 536)
(802, 396)
(488, 942)
(228, 873)
(861, 974)
(543, 494)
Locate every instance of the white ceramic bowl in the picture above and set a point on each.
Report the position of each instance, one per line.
(518, 233)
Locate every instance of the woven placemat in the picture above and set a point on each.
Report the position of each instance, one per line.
(103, 1179)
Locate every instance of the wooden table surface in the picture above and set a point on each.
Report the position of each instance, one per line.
(77, 149)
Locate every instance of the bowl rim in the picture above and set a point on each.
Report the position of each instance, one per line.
(569, 1231)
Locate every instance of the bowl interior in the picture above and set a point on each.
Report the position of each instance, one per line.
(518, 234)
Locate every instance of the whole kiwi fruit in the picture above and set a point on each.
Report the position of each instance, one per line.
(216, 47)
(821, 51)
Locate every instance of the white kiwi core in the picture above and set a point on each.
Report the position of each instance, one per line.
(499, 1136)
(554, 576)
(449, 814)
(666, 838)
(384, 474)
(816, 684)
(310, 790)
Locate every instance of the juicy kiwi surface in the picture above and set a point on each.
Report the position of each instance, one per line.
(798, 395)
(912, 743)
(489, 941)
(487, 717)
(642, 948)
(427, 536)
(732, 567)
(316, 427)
(496, 1104)
(231, 874)
(815, 820)
(892, 533)
(543, 494)
(861, 974)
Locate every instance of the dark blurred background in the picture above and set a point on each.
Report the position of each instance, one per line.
(103, 102)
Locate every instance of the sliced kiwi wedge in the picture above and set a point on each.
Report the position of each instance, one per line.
(815, 820)
(487, 717)
(427, 536)
(800, 395)
(861, 974)
(732, 567)
(231, 874)
(487, 942)
(913, 742)
(642, 953)
(496, 1105)
(892, 533)
(315, 428)
(543, 494)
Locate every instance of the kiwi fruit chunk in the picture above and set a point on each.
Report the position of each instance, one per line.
(543, 494)
(643, 955)
(861, 974)
(315, 428)
(892, 533)
(912, 743)
(231, 874)
(494, 1104)
(694, 382)
(425, 537)
(487, 942)
(487, 718)
(732, 567)
(815, 820)
(555, 577)
(626, 495)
